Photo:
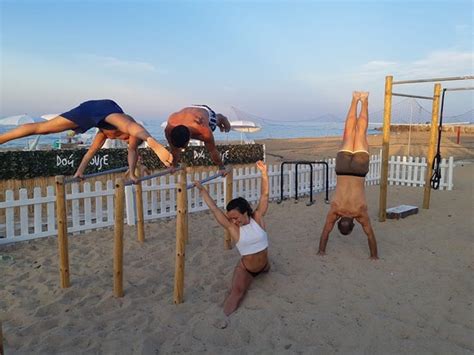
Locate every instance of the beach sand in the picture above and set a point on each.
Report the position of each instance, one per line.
(416, 299)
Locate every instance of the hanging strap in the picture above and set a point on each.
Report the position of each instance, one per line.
(436, 177)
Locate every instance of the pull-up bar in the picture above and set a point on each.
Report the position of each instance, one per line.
(452, 78)
(415, 96)
(88, 176)
(152, 176)
(459, 89)
(209, 178)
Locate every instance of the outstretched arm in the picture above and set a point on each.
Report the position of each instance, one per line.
(331, 219)
(132, 156)
(216, 211)
(211, 147)
(97, 143)
(364, 221)
(262, 207)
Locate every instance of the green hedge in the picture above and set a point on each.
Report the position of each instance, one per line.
(43, 163)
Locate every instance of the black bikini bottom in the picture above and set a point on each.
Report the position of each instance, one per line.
(255, 273)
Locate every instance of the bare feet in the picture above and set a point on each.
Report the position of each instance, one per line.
(356, 95)
(364, 95)
(165, 156)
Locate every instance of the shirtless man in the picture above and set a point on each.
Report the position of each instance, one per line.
(352, 164)
(195, 122)
(112, 123)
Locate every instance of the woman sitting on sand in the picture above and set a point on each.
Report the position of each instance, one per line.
(112, 123)
(352, 165)
(247, 231)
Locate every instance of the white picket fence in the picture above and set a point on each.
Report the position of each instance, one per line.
(26, 218)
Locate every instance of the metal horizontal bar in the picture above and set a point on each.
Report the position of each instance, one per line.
(415, 96)
(209, 178)
(467, 77)
(75, 179)
(152, 176)
(459, 89)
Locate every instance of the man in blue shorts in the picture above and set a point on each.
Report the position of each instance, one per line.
(112, 123)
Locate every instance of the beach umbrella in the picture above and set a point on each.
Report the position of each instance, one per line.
(244, 127)
(19, 120)
(50, 116)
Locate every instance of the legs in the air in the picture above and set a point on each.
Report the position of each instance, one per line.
(240, 284)
(55, 125)
(351, 121)
(361, 142)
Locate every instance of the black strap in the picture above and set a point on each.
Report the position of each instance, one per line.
(436, 176)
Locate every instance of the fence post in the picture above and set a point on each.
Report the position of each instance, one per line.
(228, 197)
(181, 236)
(61, 217)
(118, 237)
(450, 173)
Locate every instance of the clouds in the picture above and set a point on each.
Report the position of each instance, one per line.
(113, 63)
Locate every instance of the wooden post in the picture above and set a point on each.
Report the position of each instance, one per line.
(385, 148)
(139, 203)
(61, 218)
(458, 135)
(228, 196)
(118, 237)
(181, 236)
(432, 145)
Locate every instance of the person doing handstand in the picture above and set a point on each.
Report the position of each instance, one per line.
(247, 231)
(112, 123)
(352, 165)
(195, 122)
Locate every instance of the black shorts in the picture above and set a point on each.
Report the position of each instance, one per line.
(352, 163)
(91, 114)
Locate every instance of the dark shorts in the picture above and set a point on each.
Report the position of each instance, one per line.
(353, 164)
(91, 114)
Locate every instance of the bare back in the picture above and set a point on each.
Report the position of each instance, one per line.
(196, 119)
(349, 198)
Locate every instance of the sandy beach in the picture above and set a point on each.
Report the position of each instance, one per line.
(416, 299)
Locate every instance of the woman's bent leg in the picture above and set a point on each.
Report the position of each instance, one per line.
(240, 284)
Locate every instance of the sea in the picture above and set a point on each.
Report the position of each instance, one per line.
(267, 131)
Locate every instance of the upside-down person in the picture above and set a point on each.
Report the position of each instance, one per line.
(195, 122)
(352, 165)
(112, 123)
(247, 231)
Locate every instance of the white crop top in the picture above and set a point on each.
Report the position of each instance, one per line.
(252, 238)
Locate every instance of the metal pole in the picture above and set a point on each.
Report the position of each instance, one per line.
(385, 148)
(111, 171)
(413, 96)
(431, 149)
(467, 77)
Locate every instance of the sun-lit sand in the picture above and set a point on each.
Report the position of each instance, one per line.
(416, 299)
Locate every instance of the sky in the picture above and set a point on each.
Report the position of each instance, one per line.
(280, 60)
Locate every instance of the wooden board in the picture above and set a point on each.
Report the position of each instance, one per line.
(401, 211)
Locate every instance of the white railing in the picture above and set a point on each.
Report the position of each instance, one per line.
(24, 218)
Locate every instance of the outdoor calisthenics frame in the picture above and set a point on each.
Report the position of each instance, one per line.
(61, 215)
(304, 162)
(386, 135)
(181, 223)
